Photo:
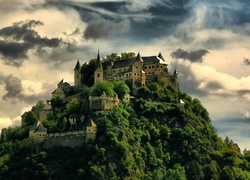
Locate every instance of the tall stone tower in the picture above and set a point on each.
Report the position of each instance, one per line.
(99, 70)
(77, 74)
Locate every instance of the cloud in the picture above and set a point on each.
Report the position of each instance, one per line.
(19, 38)
(13, 87)
(203, 80)
(5, 122)
(102, 29)
(193, 56)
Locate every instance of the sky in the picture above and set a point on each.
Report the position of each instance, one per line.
(206, 41)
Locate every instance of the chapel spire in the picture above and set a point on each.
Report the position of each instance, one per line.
(78, 66)
(98, 60)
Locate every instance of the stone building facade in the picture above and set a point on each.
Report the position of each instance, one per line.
(143, 69)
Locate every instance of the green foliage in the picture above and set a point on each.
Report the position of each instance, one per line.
(30, 118)
(121, 88)
(101, 87)
(87, 71)
(72, 106)
(152, 138)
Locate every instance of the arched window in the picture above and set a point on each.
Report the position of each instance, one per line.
(98, 75)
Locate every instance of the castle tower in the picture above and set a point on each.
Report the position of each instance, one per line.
(77, 74)
(174, 79)
(98, 76)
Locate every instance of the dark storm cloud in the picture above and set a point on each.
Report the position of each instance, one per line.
(158, 18)
(14, 52)
(12, 85)
(148, 19)
(193, 56)
(102, 29)
(19, 38)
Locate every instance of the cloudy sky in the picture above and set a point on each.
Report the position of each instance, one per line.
(206, 41)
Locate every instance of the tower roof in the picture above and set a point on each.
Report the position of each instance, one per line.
(98, 60)
(90, 123)
(78, 66)
(160, 56)
(60, 83)
(138, 57)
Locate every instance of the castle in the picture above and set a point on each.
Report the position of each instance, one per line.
(138, 70)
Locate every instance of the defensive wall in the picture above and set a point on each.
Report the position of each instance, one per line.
(66, 139)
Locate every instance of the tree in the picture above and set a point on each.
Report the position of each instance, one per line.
(72, 106)
(87, 71)
(121, 88)
(30, 118)
(128, 55)
(101, 87)
(178, 172)
(40, 104)
(57, 102)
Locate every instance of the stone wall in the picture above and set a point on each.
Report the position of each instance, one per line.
(68, 139)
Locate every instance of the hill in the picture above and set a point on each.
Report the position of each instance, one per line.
(155, 137)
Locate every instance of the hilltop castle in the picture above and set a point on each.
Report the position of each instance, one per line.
(141, 69)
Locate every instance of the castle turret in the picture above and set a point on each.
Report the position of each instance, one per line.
(77, 74)
(99, 70)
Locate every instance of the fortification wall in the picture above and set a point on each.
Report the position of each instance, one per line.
(69, 139)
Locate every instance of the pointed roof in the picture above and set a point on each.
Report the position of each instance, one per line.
(160, 56)
(90, 123)
(40, 128)
(104, 94)
(98, 60)
(60, 83)
(138, 57)
(78, 66)
(35, 125)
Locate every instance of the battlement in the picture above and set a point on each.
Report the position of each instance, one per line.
(103, 102)
(65, 139)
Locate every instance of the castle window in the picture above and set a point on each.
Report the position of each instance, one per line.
(136, 67)
(120, 70)
(145, 67)
(114, 71)
(161, 66)
(135, 74)
(149, 73)
(124, 69)
(98, 75)
(157, 66)
(153, 67)
(149, 67)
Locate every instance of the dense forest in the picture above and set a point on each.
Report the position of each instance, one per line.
(152, 137)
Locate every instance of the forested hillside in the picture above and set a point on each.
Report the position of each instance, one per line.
(153, 137)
